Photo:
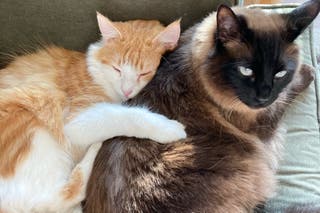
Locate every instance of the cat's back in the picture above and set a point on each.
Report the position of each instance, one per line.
(45, 65)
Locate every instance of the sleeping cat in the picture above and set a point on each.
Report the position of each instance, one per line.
(55, 103)
(229, 82)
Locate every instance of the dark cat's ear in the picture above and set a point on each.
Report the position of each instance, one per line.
(300, 18)
(228, 26)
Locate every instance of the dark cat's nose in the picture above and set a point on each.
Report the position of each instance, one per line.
(264, 93)
(262, 100)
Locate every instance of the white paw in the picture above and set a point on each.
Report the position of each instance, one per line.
(166, 131)
(86, 163)
(94, 148)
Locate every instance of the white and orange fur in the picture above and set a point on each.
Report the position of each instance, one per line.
(55, 103)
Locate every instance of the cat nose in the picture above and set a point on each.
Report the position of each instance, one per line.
(264, 93)
(127, 93)
(263, 99)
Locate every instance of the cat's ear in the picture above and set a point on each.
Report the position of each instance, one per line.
(107, 28)
(169, 37)
(228, 26)
(300, 18)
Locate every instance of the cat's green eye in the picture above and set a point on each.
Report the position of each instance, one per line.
(245, 71)
(280, 74)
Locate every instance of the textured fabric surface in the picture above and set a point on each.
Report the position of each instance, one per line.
(299, 172)
(72, 23)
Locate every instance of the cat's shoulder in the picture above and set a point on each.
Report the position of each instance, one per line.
(59, 52)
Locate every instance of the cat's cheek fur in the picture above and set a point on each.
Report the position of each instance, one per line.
(103, 75)
(138, 88)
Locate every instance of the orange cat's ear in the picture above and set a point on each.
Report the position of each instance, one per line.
(169, 37)
(107, 29)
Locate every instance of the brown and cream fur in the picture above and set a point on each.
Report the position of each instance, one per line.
(228, 161)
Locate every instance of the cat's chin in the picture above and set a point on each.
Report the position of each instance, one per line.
(124, 99)
(259, 105)
(262, 106)
(256, 105)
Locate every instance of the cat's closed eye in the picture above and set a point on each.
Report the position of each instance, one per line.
(280, 74)
(245, 71)
(145, 74)
(116, 69)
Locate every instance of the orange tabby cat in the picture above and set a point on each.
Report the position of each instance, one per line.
(55, 103)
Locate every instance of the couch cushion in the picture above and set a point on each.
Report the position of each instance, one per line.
(299, 172)
(72, 23)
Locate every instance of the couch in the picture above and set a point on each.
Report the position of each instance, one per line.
(26, 25)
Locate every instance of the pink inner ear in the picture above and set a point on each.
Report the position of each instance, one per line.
(107, 29)
(169, 37)
(227, 24)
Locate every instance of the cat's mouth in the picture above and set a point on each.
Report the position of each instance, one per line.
(124, 98)
(258, 104)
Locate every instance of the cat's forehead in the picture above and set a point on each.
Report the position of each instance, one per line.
(259, 20)
(264, 37)
(139, 30)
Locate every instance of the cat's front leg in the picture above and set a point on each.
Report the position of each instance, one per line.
(154, 126)
(302, 79)
(105, 120)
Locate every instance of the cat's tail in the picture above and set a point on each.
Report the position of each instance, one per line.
(74, 191)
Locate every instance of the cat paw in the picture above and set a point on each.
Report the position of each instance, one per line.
(304, 77)
(167, 131)
(94, 148)
(88, 159)
(308, 74)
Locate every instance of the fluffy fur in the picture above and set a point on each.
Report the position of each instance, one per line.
(55, 103)
(228, 161)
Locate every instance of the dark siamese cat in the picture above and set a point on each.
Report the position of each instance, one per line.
(229, 82)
